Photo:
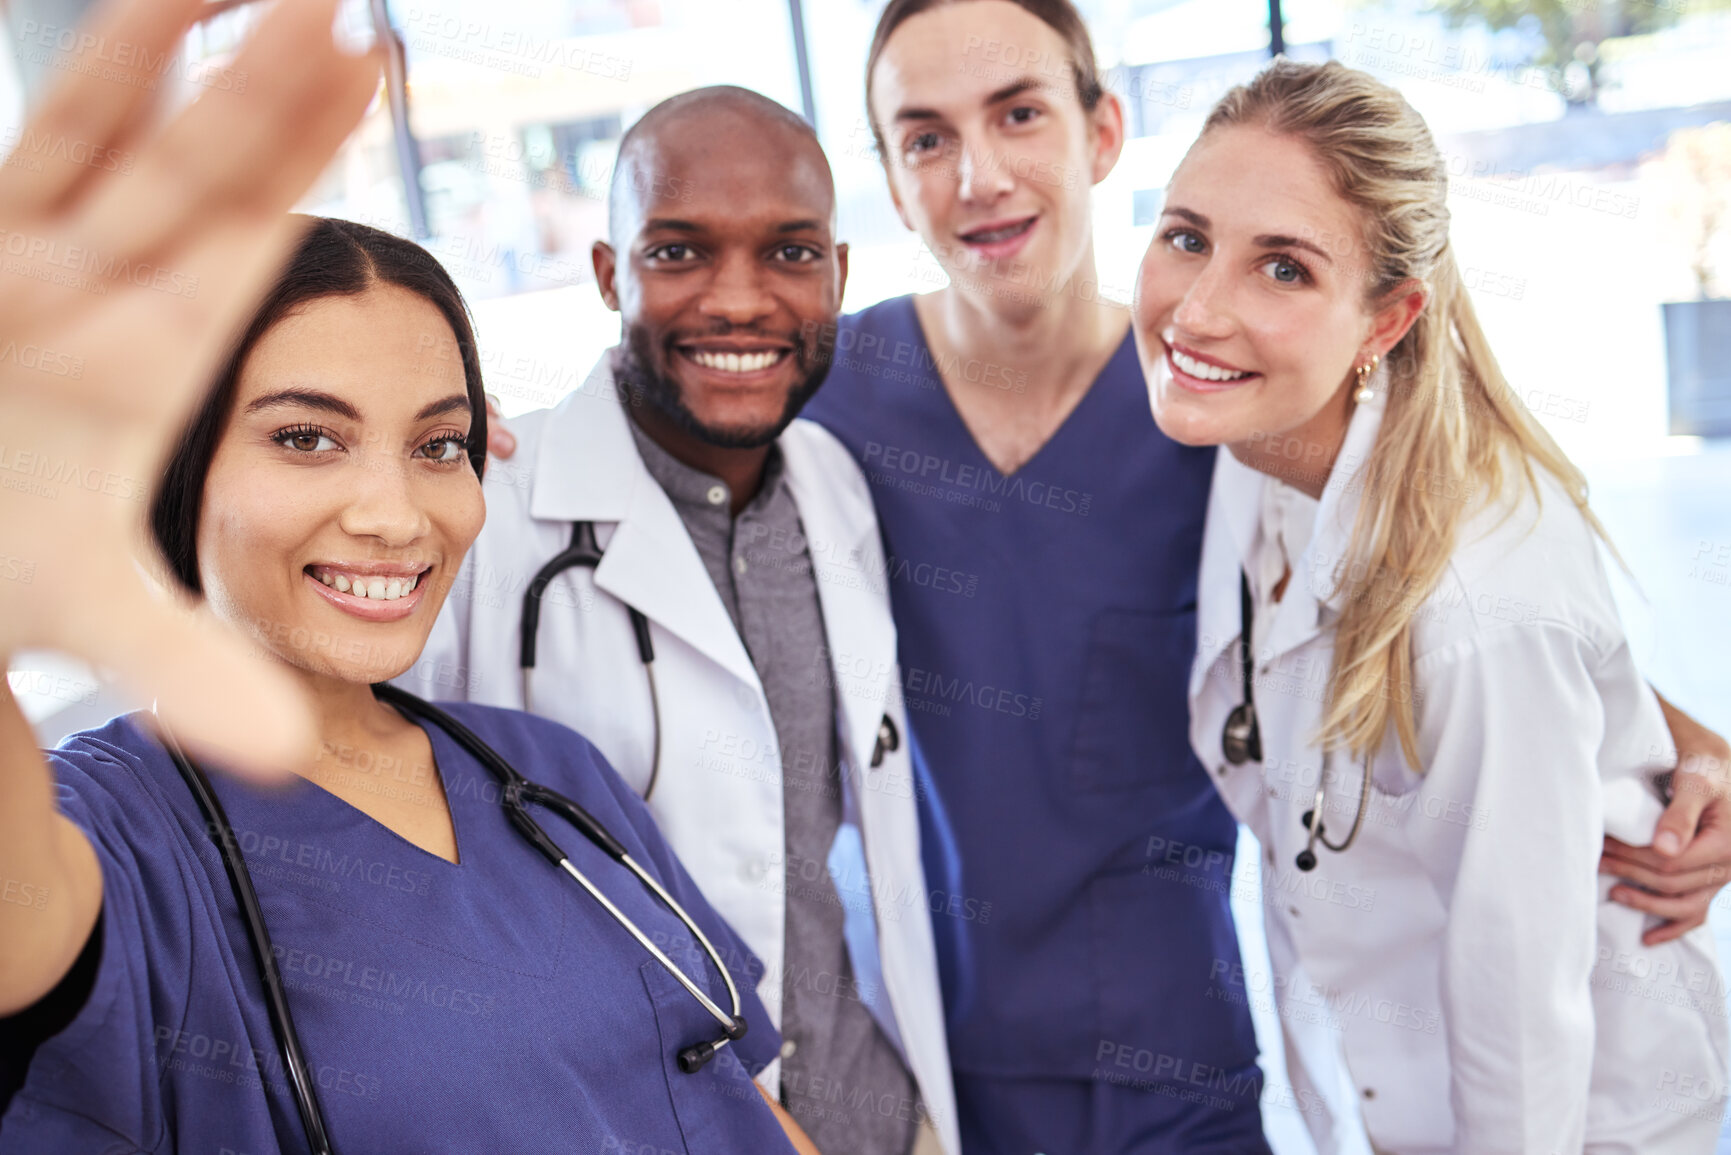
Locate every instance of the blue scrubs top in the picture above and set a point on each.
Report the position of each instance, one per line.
(1047, 625)
(489, 1005)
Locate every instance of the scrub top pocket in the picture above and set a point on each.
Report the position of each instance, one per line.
(705, 1104)
(1125, 743)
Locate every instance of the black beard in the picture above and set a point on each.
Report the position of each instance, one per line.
(631, 371)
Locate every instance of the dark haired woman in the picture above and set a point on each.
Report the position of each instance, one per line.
(1003, 422)
(451, 989)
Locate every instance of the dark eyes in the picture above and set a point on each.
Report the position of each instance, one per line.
(304, 439)
(926, 143)
(923, 142)
(310, 439)
(446, 448)
(678, 253)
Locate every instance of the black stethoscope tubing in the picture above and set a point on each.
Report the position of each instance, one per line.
(584, 553)
(1241, 741)
(516, 796)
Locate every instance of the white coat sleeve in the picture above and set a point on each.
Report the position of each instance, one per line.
(443, 671)
(1509, 827)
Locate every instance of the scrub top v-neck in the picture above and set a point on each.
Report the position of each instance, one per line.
(483, 1005)
(1046, 624)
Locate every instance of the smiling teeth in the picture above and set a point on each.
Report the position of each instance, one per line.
(993, 236)
(736, 362)
(1203, 370)
(372, 588)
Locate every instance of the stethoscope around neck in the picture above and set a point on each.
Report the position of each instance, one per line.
(517, 794)
(1241, 742)
(585, 553)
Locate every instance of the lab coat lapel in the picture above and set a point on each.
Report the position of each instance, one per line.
(1234, 504)
(589, 469)
(1341, 499)
(848, 562)
(1310, 598)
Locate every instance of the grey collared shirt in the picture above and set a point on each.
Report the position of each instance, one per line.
(841, 1078)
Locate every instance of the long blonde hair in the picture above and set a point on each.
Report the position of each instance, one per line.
(1451, 423)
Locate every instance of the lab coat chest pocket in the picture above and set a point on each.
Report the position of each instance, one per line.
(718, 1108)
(1133, 725)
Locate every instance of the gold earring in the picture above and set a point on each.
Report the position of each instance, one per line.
(1365, 393)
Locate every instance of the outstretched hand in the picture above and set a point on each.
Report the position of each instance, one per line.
(133, 252)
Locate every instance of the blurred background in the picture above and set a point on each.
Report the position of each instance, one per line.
(1589, 146)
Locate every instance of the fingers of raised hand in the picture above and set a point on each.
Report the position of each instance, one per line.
(109, 79)
(173, 251)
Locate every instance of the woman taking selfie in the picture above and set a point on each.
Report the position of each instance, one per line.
(1412, 683)
(448, 931)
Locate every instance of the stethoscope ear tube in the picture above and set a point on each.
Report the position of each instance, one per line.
(581, 552)
(585, 553)
(301, 1082)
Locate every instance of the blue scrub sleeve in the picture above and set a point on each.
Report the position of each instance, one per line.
(112, 1042)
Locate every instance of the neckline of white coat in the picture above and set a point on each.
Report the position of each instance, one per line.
(1234, 518)
(593, 466)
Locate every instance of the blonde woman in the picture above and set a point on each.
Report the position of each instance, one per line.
(1411, 681)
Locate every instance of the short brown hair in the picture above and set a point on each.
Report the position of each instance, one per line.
(1059, 15)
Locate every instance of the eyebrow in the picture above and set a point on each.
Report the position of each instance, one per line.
(306, 399)
(804, 225)
(456, 402)
(1265, 241)
(1013, 89)
(313, 399)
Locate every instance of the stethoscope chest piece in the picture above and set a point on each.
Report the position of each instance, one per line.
(1241, 740)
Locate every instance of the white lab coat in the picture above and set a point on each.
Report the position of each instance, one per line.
(1460, 958)
(718, 798)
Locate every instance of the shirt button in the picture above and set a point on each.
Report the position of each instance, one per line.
(716, 495)
(739, 565)
(1370, 1092)
(1293, 911)
(1222, 770)
(788, 1047)
(1270, 852)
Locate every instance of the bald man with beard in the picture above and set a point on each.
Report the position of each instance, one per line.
(727, 639)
